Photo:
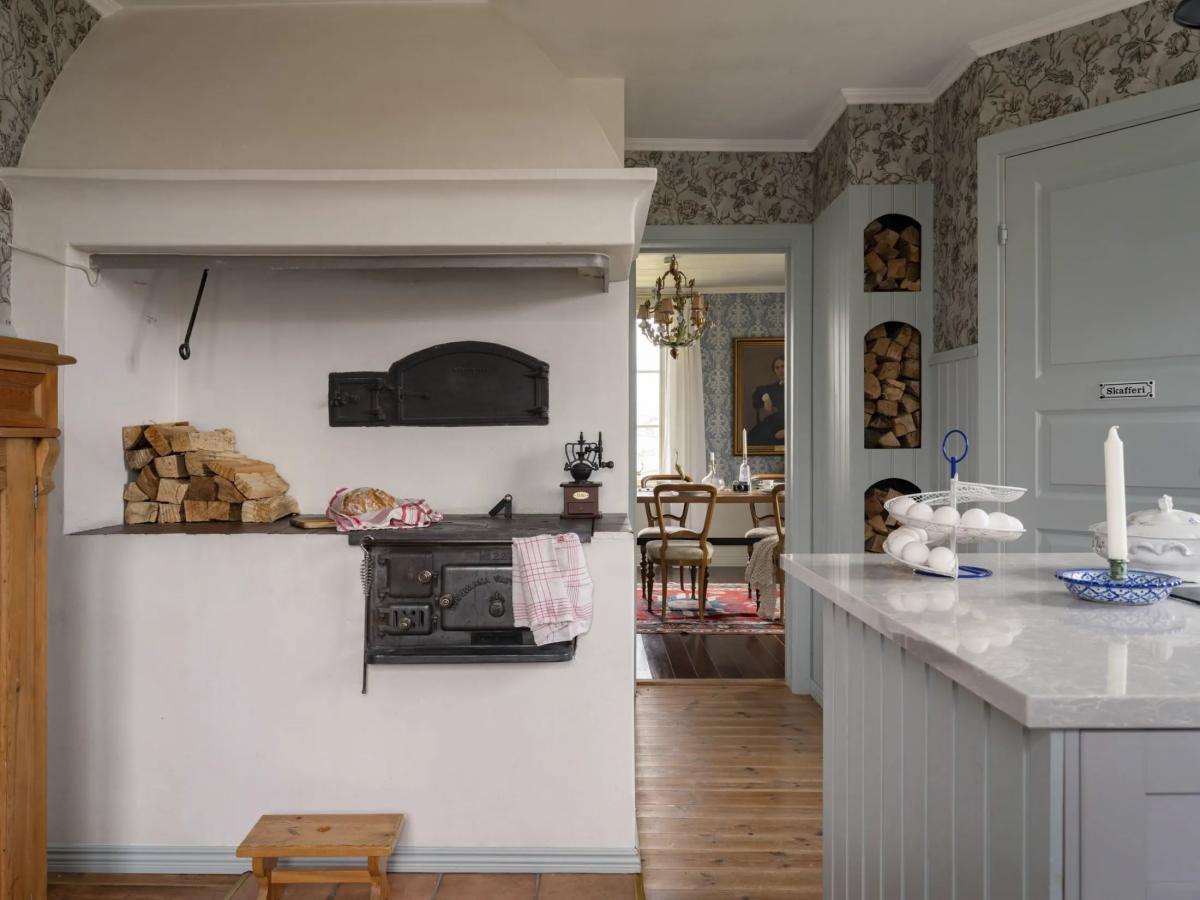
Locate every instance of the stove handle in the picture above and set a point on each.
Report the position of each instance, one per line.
(445, 601)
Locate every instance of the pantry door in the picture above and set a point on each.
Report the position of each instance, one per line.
(1101, 286)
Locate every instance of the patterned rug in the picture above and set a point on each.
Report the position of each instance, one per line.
(729, 610)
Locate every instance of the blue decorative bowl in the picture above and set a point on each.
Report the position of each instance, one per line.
(1138, 589)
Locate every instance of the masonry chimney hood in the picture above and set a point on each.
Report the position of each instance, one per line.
(320, 134)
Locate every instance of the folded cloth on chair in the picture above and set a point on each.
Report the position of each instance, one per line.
(552, 588)
(760, 575)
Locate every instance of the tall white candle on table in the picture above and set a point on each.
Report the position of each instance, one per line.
(1114, 502)
(745, 445)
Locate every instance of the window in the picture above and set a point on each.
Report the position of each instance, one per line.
(649, 427)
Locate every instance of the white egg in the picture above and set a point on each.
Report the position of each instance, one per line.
(918, 534)
(942, 559)
(921, 512)
(1000, 521)
(1015, 524)
(900, 505)
(945, 515)
(896, 542)
(915, 552)
(975, 518)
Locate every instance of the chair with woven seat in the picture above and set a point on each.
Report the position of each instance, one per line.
(676, 521)
(763, 523)
(686, 547)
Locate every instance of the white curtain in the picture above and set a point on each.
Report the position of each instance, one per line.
(681, 406)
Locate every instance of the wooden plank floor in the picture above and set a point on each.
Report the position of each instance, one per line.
(403, 887)
(728, 791)
(709, 656)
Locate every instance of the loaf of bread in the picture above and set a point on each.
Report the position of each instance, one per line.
(364, 500)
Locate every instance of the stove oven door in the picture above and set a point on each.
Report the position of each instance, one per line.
(476, 597)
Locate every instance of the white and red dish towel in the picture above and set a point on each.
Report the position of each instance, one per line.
(406, 514)
(551, 589)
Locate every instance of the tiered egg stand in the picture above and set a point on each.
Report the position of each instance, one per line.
(951, 532)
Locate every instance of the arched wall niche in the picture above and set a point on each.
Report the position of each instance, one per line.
(878, 524)
(892, 387)
(892, 254)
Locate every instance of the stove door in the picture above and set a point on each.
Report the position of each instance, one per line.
(476, 597)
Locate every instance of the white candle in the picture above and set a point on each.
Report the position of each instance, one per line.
(745, 445)
(1114, 495)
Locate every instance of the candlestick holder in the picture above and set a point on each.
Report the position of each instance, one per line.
(1118, 569)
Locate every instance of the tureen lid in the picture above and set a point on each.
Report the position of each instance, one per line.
(1164, 522)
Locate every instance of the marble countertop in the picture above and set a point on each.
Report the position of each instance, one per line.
(1019, 641)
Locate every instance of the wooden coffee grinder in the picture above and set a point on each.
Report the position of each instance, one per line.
(581, 497)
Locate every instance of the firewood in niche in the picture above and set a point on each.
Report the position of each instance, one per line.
(269, 510)
(892, 386)
(892, 254)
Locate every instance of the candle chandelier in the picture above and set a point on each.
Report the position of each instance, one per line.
(675, 316)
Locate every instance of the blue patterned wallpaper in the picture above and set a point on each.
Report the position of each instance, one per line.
(734, 316)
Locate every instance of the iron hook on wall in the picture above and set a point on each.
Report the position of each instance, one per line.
(185, 349)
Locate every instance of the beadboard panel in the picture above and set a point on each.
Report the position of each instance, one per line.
(954, 400)
(929, 791)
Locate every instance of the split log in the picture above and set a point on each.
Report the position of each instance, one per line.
(222, 440)
(139, 458)
(269, 510)
(169, 513)
(202, 487)
(171, 490)
(229, 469)
(893, 389)
(877, 524)
(206, 510)
(889, 440)
(888, 408)
(134, 494)
(131, 437)
(910, 368)
(910, 403)
(170, 467)
(141, 513)
(879, 331)
(159, 435)
(147, 480)
(897, 268)
(197, 462)
(226, 490)
(871, 386)
(889, 371)
(260, 486)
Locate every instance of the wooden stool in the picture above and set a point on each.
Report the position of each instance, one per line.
(312, 836)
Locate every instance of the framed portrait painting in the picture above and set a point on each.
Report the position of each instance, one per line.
(759, 375)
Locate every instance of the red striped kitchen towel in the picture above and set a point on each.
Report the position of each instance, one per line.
(406, 514)
(552, 588)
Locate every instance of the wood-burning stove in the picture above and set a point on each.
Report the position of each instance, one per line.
(443, 594)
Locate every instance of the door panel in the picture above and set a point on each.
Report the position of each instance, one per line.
(1100, 286)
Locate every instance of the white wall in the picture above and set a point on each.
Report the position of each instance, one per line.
(955, 400)
(198, 682)
(265, 343)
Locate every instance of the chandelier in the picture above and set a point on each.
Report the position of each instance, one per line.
(675, 317)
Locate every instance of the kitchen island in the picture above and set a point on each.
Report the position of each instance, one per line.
(999, 738)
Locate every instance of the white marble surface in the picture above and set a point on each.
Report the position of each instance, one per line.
(1019, 641)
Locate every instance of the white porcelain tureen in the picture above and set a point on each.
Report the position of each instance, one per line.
(1164, 540)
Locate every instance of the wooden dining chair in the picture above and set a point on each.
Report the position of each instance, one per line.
(687, 547)
(778, 496)
(762, 523)
(651, 531)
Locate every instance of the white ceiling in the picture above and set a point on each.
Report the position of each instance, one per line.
(765, 74)
(718, 273)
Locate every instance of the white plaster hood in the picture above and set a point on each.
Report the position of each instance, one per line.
(370, 131)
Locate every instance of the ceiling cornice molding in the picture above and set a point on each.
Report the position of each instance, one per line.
(720, 145)
(108, 7)
(951, 72)
(860, 96)
(828, 119)
(1059, 21)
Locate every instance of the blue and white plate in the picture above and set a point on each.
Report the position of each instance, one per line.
(1139, 588)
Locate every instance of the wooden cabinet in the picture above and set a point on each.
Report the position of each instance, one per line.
(28, 451)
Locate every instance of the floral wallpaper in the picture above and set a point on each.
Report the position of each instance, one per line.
(831, 168)
(37, 37)
(734, 316)
(728, 188)
(1119, 55)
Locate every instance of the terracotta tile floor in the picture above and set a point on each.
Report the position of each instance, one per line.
(403, 887)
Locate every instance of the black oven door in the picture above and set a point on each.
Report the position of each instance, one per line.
(476, 597)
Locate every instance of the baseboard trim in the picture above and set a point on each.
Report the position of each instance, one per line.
(147, 859)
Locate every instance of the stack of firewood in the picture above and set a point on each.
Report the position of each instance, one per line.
(892, 259)
(892, 386)
(878, 524)
(181, 474)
